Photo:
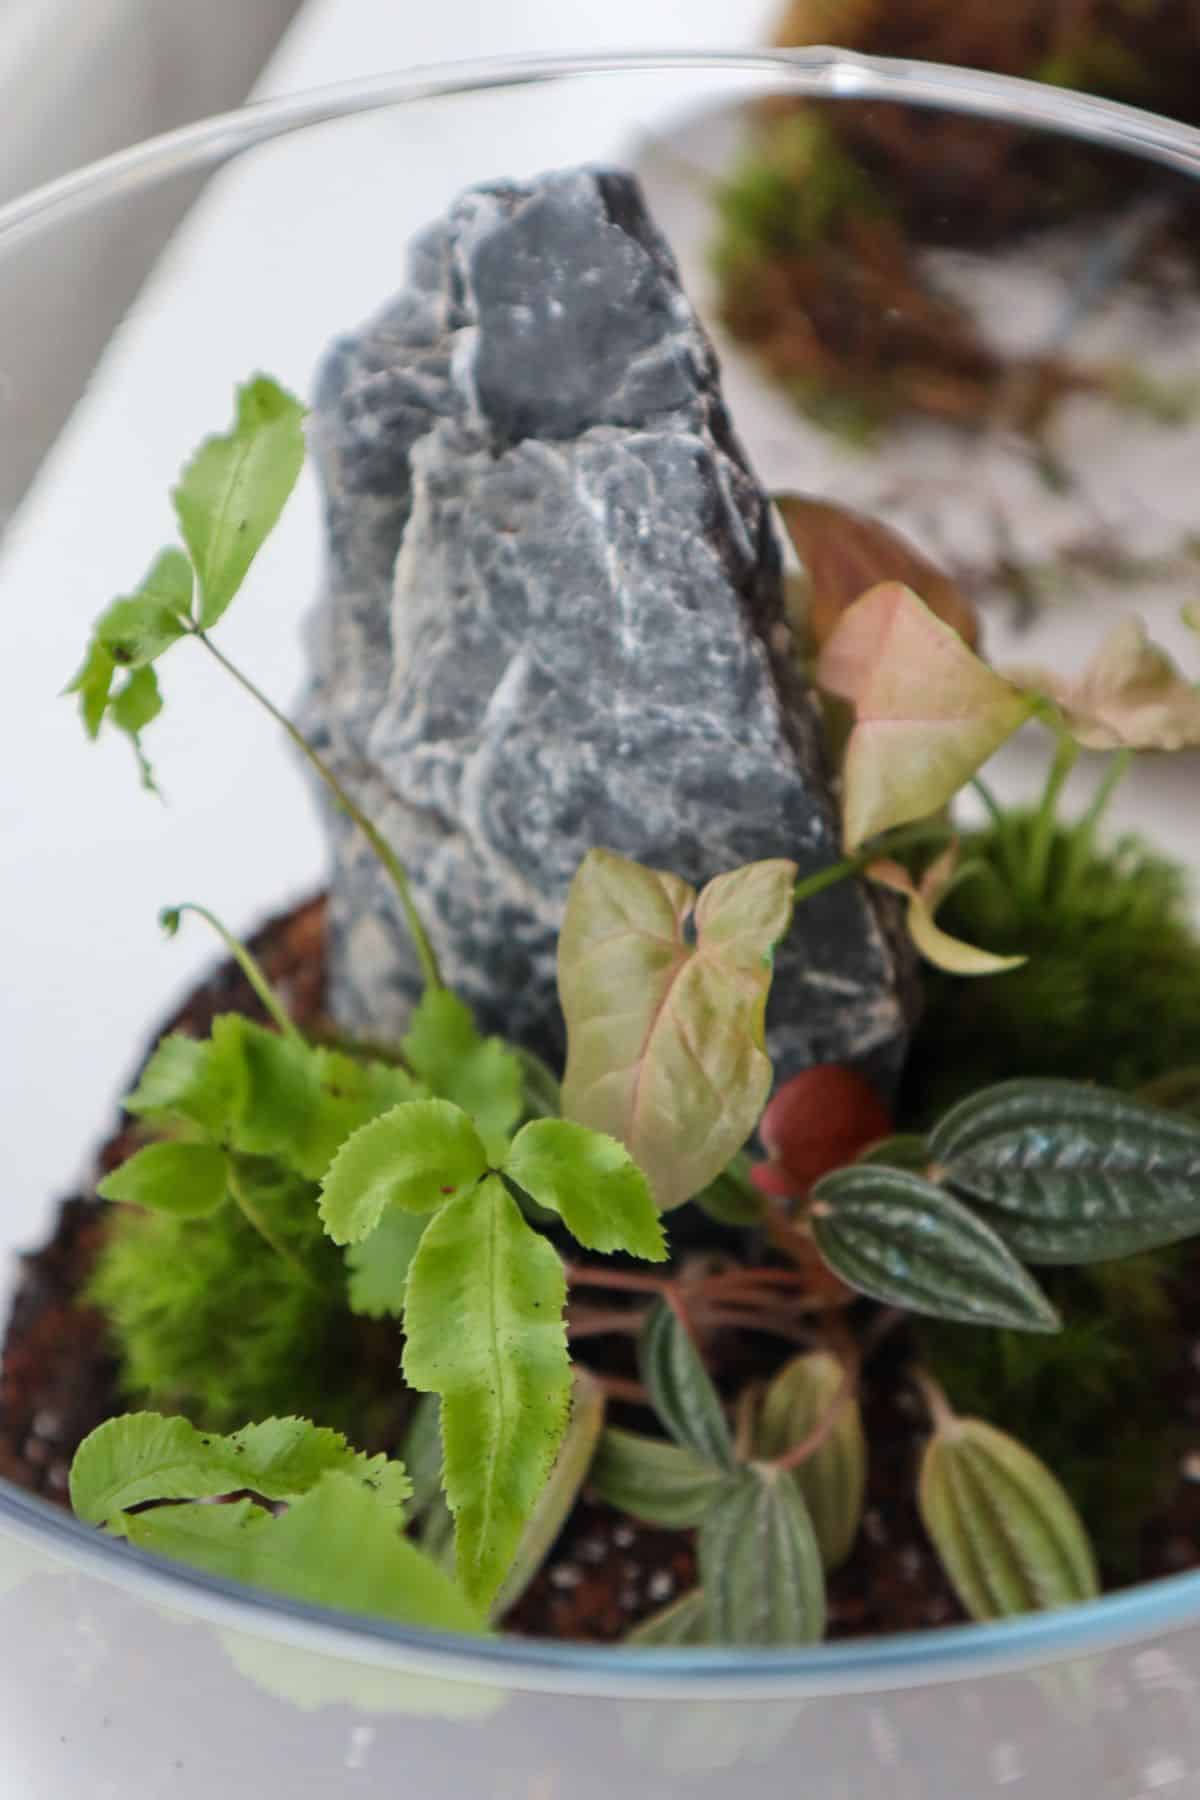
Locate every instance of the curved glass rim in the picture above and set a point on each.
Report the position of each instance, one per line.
(903, 1659)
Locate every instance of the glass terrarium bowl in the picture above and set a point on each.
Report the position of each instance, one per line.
(119, 1675)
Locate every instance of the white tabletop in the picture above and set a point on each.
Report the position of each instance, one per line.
(86, 858)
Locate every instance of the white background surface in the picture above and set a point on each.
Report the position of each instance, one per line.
(281, 254)
(85, 858)
(77, 81)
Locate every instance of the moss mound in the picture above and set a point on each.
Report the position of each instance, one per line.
(1111, 993)
(1111, 988)
(210, 1321)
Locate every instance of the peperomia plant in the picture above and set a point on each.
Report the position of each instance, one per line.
(446, 1183)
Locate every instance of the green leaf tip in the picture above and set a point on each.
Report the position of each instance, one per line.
(142, 1457)
(338, 1542)
(501, 1369)
(1003, 1527)
(187, 1078)
(682, 1624)
(833, 1480)
(417, 1156)
(189, 1180)
(660, 1483)
(377, 1266)
(130, 636)
(760, 1565)
(484, 1076)
(592, 1182)
(560, 1492)
(680, 1388)
(231, 493)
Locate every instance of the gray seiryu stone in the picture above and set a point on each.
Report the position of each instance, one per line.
(552, 620)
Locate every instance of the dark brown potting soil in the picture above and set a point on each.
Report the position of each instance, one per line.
(607, 1572)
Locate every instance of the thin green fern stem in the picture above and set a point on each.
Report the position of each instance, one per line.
(1037, 869)
(379, 844)
(247, 962)
(254, 1217)
(1083, 838)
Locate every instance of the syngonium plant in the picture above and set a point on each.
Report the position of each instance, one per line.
(459, 1182)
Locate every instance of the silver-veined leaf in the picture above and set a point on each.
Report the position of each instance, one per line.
(377, 1266)
(900, 1239)
(760, 1565)
(1069, 1173)
(682, 1624)
(680, 1389)
(904, 1151)
(1003, 1527)
(350, 1093)
(484, 1324)
(833, 1480)
(661, 1483)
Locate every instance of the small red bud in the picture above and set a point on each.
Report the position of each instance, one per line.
(818, 1121)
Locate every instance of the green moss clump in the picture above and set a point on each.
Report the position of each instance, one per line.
(1093, 1400)
(1110, 993)
(1111, 988)
(788, 194)
(210, 1321)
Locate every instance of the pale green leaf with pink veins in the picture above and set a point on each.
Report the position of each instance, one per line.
(927, 712)
(664, 994)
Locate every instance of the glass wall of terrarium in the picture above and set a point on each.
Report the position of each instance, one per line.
(640, 1222)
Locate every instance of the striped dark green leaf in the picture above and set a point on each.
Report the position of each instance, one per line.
(907, 1151)
(684, 1622)
(680, 1389)
(900, 1239)
(1005, 1531)
(760, 1564)
(833, 1480)
(661, 1483)
(1068, 1173)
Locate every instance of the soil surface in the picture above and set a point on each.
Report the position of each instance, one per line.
(606, 1572)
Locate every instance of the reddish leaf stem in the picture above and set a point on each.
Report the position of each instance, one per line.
(621, 1387)
(599, 1322)
(825, 1425)
(853, 1360)
(582, 1275)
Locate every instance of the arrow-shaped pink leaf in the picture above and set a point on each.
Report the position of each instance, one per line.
(927, 712)
(664, 997)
